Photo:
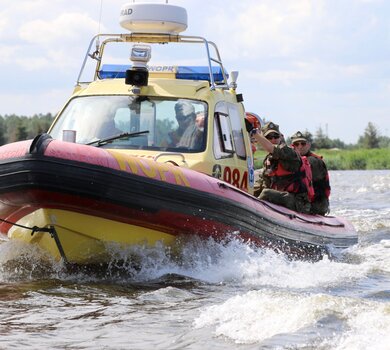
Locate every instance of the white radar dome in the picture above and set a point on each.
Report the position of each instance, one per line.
(153, 18)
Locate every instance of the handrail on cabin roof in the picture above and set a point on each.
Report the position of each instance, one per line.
(97, 54)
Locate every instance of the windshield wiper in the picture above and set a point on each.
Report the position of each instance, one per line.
(106, 140)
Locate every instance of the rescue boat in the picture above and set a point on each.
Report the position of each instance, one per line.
(146, 154)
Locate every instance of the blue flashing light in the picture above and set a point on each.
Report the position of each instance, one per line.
(113, 71)
(199, 73)
(118, 71)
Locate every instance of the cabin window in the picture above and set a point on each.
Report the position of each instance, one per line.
(237, 132)
(223, 134)
(228, 133)
(222, 141)
(138, 122)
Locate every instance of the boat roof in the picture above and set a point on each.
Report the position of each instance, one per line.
(156, 86)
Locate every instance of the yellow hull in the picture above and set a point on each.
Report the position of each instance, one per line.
(85, 239)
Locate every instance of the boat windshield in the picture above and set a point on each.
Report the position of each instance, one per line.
(135, 122)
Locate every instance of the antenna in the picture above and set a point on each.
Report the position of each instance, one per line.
(100, 15)
(95, 55)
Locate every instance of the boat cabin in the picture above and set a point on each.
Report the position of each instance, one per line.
(154, 100)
